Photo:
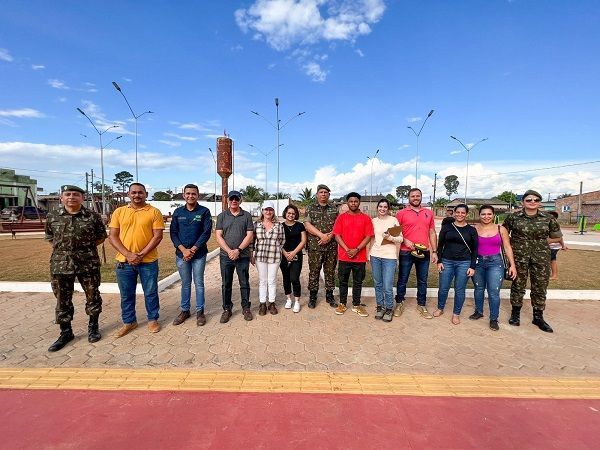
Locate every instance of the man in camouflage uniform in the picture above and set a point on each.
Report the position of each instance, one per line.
(322, 247)
(530, 232)
(74, 232)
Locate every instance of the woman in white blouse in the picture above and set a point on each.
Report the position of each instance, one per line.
(383, 255)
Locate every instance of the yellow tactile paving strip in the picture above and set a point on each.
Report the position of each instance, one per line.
(300, 382)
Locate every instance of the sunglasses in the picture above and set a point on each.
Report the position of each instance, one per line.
(532, 200)
(234, 199)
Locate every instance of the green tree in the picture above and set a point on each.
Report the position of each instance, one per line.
(390, 198)
(122, 180)
(161, 196)
(281, 195)
(451, 184)
(252, 193)
(108, 190)
(306, 197)
(564, 195)
(440, 202)
(402, 192)
(508, 196)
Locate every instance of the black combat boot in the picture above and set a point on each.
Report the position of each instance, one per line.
(538, 319)
(330, 298)
(515, 316)
(312, 299)
(93, 330)
(66, 336)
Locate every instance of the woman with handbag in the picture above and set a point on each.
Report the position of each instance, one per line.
(491, 269)
(457, 247)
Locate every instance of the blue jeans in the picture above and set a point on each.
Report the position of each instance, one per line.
(127, 275)
(242, 267)
(457, 271)
(422, 269)
(187, 269)
(383, 270)
(489, 274)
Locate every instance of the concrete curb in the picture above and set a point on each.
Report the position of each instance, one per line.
(105, 288)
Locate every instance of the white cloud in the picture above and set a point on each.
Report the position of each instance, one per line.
(58, 84)
(315, 72)
(170, 143)
(62, 99)
(21, 113)
(38, 66)
(129, 80)
(413, 119)
(181, 138)
(403, 146)
(271, 66)
(99, 118)
(5, 55)
(359, 52)
(237, 48)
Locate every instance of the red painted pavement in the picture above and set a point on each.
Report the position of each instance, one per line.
(127, 419)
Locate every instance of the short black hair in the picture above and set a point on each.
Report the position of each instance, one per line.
(383, 200)
(353, 194)
(191, 186)
(490, 207)
(461, 205)
(137, 184)
(292, 207)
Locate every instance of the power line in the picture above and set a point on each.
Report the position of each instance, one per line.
(539, 169)
(45, 171)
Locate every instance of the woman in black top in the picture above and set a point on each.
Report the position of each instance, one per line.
(291, 256)
(457, 247)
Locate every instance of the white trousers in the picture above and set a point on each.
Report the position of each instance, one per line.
(267, 280)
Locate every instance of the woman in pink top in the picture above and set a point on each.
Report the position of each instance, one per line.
(489, 270)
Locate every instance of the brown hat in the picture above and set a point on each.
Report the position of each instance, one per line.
(323, 186)
(532, 192)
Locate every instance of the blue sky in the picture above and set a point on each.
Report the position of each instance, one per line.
(521, 73)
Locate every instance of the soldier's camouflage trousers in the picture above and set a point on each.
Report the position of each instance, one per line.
(62, 286)
(539, 274)
(327, 260)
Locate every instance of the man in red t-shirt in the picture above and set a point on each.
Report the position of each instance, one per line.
(418, 227)
(353, 231)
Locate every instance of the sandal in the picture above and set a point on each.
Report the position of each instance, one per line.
(455, 319)
(438, 312)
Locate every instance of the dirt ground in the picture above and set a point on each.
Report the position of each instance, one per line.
(26, 259)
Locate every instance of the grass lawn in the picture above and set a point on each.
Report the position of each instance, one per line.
(28, 259)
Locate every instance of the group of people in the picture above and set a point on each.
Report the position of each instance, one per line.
(346, 240)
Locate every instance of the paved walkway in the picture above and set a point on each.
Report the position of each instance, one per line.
(312, 340)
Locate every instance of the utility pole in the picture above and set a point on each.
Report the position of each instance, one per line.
(92, 184)
(87, 194)
(579, 201)
(434, 186)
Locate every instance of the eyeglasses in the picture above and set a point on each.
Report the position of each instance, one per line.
(532, 200)
(234, 199)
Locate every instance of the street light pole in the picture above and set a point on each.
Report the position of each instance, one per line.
(468, 155)
(278, 129)
(215, 160)
(372, 158)
(100, 133)
(135, 117)
(266, 154)
(418, 135)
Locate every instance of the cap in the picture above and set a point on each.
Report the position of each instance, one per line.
(323, 186)
(71, 187)
(234, 194)
(532, 192)
(268, 204)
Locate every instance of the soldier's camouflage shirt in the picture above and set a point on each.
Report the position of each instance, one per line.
(529, 234)
(73, 238)
(322, 218)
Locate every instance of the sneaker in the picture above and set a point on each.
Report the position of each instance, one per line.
(272, 308)
(423, 311)
(225, 316)
(476, 316)
(379, 313)
(296, 306)
(262, 309)
(398, 309)
(494, 325)
(388, 315)
(247, 314)
(288, 303)
(341, 309)
(360, 310)
(182, 317)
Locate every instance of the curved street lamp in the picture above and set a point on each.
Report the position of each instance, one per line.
(278, 127)
(100, 133)
(419, 135)
(468, 154)
(135, 117)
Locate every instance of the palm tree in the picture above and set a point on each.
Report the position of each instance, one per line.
(306, 197)
(252, 193)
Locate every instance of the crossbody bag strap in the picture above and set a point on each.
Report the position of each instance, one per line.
(461, 236)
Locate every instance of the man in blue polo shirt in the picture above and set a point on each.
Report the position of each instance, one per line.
(191, 226)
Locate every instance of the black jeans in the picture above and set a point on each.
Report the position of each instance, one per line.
(358, 275)
(241, 266)
(290, 272)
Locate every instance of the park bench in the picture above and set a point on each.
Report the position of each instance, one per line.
(21, 227)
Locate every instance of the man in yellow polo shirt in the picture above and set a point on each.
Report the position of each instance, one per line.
(135, 231)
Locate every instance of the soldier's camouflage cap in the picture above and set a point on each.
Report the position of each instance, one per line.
(532, 192)
(71, 187)
(323, 186)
